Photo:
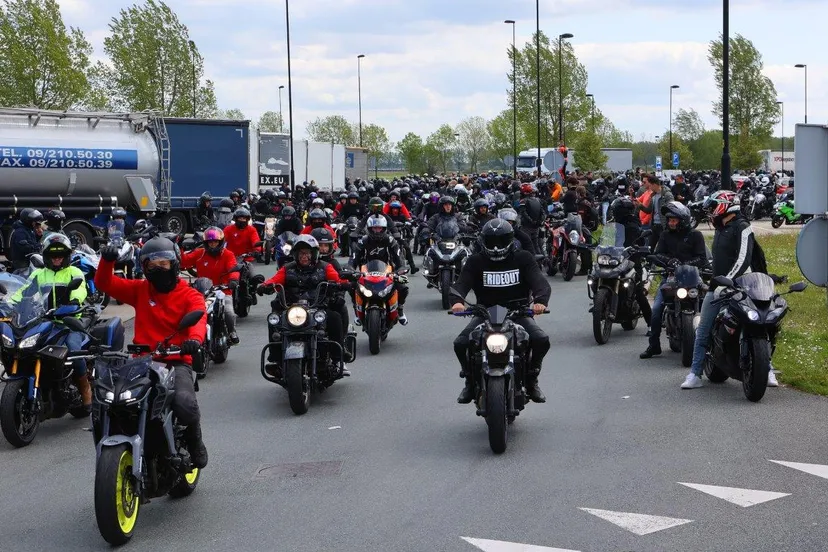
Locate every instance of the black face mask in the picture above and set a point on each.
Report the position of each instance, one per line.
(241, 224)
(164, 281)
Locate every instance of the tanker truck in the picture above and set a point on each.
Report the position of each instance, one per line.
(86, 164)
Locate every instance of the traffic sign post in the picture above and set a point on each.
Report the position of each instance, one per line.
(675, 159)
(658, 166)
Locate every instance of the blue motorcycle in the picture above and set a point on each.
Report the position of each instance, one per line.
(85, 258)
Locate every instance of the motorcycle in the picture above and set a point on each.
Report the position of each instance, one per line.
(744, 332)
(297, 337)
(760, 205)
(614, 282)
(283, 247)
(566, 246)
(217, 344)
(785, 213)
(445, 258)
(376, 301)
(697, 213)
(346, 234)
(85, 258)
(141, 452)
(499, 354)
(683, 292)
(38, 366)
(245, 295)
(269, 241)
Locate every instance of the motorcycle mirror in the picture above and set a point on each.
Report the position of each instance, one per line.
(3, 289)
(55, 352)
(646, 234)
(190, 319)
(36, 260)
(799, 286)
(75, 283)
(74, 324)
(722, 281)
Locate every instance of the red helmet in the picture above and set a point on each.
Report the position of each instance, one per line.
(721, 203)
(527, 190)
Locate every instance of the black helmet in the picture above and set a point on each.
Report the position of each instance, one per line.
(235, 194)
(479, 204)
(623, 210)
(56, 245)
(377, 227)
(281, 195)
(675, 209)
(288, 211)
(306, 241)
(447, 199)
(227, 204)
(375, 203)
(353, 195)
(30, 217)
(161, 249)
(343, 196)
(141, 226)
(317, 218)
(205, 197)
(500, 199)
(395, 192)
(55, 219)
(118, 213)
(241, 212)
(324, 237)
(497, 240)
(241, 192)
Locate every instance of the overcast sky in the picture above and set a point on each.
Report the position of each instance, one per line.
(430, 62)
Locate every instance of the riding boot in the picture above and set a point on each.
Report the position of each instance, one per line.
(198, 452)
(467, 394)
(532, 387)
(85, 390)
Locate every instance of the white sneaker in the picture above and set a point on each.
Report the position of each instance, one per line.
(403, 319)
(357, 321)
(692, 381)
(772, 381)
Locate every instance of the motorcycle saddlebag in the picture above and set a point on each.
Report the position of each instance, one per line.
(110, 331)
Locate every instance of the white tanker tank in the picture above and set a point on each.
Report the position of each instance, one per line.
(85, 162)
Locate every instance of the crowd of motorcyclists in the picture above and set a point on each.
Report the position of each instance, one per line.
(508, 225)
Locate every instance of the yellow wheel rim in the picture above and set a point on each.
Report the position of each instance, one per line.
(126, 501)
(191, 477)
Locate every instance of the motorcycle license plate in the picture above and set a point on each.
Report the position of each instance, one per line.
(295, 350)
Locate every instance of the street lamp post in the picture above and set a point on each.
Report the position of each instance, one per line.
(193, 52)
(359, 86)
(803, 66)
(671, 118)
(782, 108)
(290, 97)
(281, 119)
(592, 117)
(561, 133)
(514, 100)
(538, 161)
(726, 180)
(456, 136)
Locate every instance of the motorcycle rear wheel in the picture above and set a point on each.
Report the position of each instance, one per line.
(373, 327)
(268, 253)
(116, 502)
(496, 414)
(601, 324)
(187, 485)
(777, 221)
(755, 375)
(298, 389)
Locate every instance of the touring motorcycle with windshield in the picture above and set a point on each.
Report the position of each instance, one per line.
(375, 300)
(445, 258)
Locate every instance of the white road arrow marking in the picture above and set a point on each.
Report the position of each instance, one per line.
(503, 546)
(818, 470)
(639, 524)
(734, 495)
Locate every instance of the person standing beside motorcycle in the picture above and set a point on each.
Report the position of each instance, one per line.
(661, 196)
(679, 245)
(240, 236)
(289, 222)
(499, 275)
(25, 238)
(378, 244)
(215, 262)
(532, 214)
(601, 193)
(733, 246)
(160, 302)
(54, 278)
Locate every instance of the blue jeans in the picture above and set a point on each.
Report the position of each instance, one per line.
(655, 319)
(74, 342)
(604, 207)
(707, 316)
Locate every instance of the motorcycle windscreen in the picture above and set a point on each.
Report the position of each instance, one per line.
(447, 229)
(573, 222)
(497, 314)
(115, 231)
(376, 267)
(287, 237)
(758, 286)
(613, 235)
(687, 276)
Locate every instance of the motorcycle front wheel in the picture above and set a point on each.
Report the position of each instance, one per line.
(116, 501)
(496, 414)
(688, 339)
(373, 327)
(755, 370)
(445, 286)
(571, 262)
(601, 324)
(297, 387)
(777, 221)
(18, 421)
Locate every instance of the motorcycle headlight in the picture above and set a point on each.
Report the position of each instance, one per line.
(776, 313)
(7, 341)
(606, 260)
(128, 395)
(29, 342)
(365, 291)
(319, 316)
(385, 291)
(574, 237)
(449, 245)
(752, 314)
(497, 343)
(681, 293)
(286, 248)
(273, 319)
(692, 293)
(297, 316)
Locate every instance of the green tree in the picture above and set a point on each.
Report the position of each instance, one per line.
(753, 107)
(234, 114)
(44, 65)
(500, 131)
(587, 152)
(746, 152)
(576, 106)
(685, 155)
(688, 125)
(153, 63)
(375, 140)
(271, 121)
(440, 146)
(474, 140)
(333, 128)
(707, 150)
(411, 150)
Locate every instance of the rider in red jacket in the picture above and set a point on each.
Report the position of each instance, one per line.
(240, 236)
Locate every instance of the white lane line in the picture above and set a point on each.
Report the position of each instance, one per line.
(735, 495)
(504, 546)
(639, 524)
(818, 470)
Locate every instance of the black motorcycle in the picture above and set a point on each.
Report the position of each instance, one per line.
(141, 451)
(499, 354)
(347, 234)
(445, 259)
(245, 295)
(683, 291)
(217, 345)
(614, 283)
(297, 337)
(697, 213)
(744, 332)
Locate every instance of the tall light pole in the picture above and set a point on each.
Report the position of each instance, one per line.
(803, 66)
(290, 97)
(281, 119)
(726, 180)
(561, 133)
(193, 52)
(514, 100)
(592, 117)
(782, 108)
(456, 136)
(538, 161)
(359, 86)
(671, 118)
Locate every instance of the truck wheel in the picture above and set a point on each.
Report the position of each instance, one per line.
(79, 234)
(175, 222)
